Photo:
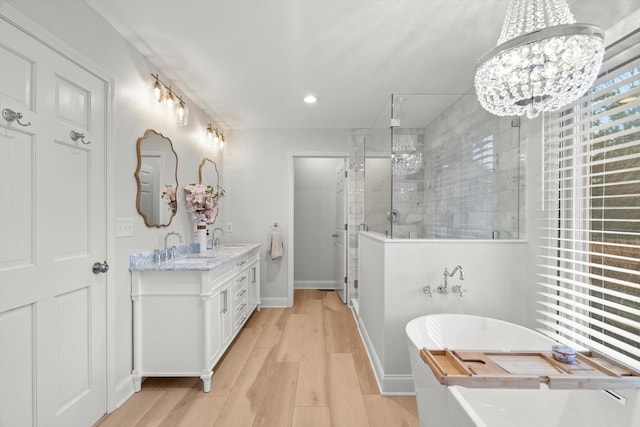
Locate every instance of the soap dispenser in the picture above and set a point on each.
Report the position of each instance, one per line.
(209, 241)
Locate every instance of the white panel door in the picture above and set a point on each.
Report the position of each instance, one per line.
(341, 235)
(53, 228)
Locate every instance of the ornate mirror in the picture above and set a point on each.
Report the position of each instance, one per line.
(209, 176)
(157, 178)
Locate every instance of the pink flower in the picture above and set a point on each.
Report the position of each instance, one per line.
(202, 201)
(169, 193)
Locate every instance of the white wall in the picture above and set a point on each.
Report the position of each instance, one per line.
(315, 221)
(85, 32)
(495, 274)
(258, 179)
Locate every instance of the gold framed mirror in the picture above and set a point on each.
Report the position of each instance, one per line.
(205, 176)
(210, 177)
(157, 179)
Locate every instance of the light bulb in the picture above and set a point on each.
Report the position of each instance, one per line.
(169, 101)
(157, 91)
(182, 113)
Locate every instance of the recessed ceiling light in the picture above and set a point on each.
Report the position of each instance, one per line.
(310, 99)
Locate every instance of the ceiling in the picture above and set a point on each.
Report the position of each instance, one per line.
(249, 63)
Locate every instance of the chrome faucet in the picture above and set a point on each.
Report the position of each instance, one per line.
(443, 289)
(216, 240)
(170, 253)
(455, 270)
(171, 233)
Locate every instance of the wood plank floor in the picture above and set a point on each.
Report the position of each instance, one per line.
(303, 366)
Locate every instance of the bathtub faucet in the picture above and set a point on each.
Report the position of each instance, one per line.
(457, 289)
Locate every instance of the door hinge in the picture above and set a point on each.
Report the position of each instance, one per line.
(346, 174)
(355, 283)
(346, 227)
(345, 280)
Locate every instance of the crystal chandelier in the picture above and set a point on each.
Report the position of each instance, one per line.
(405, 158)
(543, 60)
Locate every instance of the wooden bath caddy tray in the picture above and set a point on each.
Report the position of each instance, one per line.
(526, 369)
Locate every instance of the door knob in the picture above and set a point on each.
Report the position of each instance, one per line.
(100, 267)
(334, 235)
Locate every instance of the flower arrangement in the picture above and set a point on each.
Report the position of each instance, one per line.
(202, 202)
(169, 193)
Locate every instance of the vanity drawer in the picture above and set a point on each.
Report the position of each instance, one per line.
(240, 312)
(240, 282)
(239, 321)
(239, 294)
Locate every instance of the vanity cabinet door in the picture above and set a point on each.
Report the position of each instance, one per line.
(226, 332)
(254, 285)
(214, 338)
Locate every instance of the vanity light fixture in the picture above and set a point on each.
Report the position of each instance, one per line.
(215, 136)
(165, 97)
(544, 60)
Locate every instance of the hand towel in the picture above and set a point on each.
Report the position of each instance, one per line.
(276, 246)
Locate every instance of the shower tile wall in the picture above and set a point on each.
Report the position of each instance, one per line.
(472, 170)
(355, 212)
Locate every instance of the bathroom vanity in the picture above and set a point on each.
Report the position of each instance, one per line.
(187, 310)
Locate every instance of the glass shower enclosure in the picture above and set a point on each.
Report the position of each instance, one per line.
(441, 167)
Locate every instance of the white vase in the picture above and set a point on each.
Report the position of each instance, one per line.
(201, 230)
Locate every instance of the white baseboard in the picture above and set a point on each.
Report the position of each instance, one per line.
(355, 306)
(124, 390)
(398, 385)
(274, 302)
(389, 385)
(314, 284)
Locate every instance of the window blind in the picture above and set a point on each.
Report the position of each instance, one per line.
(589, 256)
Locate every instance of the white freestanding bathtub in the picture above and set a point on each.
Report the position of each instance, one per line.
(455, 406)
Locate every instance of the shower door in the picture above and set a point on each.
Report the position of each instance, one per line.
(341, 235)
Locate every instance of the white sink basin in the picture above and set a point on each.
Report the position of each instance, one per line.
(235, 245)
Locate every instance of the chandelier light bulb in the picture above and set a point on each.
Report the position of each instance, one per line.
(543, 60)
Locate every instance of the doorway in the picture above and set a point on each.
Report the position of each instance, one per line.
(319, 224)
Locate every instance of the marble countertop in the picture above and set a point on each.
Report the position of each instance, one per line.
(186, 261)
